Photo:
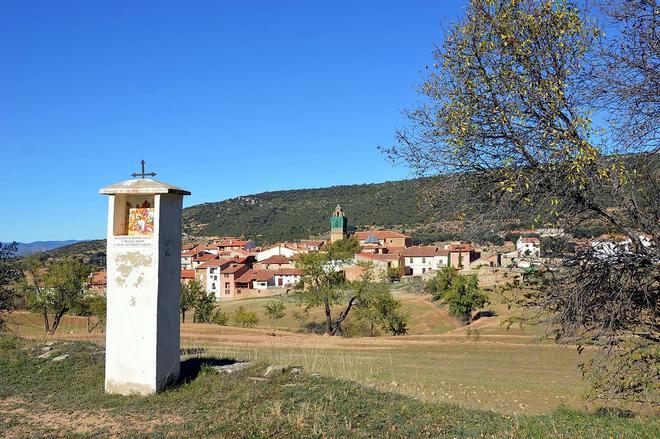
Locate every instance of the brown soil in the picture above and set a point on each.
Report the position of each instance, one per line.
(32, 415)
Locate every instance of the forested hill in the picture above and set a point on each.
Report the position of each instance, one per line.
(294, 214)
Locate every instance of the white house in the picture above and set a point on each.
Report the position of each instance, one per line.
(530, 247)
(277, 250)
(419, 260)
(263, 279)
(286, 277)
(189, 256)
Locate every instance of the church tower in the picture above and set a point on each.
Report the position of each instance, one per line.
(338, 225)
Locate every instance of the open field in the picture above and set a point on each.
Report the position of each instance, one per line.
(508, 371)
(426, 317)
(513, 374)
(39, 398)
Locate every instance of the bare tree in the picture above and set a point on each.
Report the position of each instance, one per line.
(513, 110)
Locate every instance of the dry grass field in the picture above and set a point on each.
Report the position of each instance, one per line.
(509, 371)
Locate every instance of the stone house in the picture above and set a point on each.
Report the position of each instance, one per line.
(385, 238)
(274, 262)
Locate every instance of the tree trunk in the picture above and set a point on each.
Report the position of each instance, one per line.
(56, 320)
(183, 316)
(91, 327)
(46, 322)
(343, 315)
(328, 317)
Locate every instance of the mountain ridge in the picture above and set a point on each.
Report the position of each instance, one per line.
(30, 248)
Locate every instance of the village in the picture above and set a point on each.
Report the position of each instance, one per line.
(232, 268)
(330, 219)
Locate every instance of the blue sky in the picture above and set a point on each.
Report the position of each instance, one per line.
(221, 98)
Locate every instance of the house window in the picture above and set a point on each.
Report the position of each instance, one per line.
(423, 260)
(226, 284)
(213, 286)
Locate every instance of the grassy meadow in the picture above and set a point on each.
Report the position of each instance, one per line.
(510, 371)
(42, 398)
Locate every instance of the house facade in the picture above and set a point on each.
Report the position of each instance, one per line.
(385, 238)
(274, 263)
(286, 277)
(277, 250)
(528, 247)
(419, 260)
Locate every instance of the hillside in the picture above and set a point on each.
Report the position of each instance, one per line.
(29, 248)
(92, 252)
(425, 208)
(295, 214)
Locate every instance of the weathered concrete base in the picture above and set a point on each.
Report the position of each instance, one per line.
(128, 388)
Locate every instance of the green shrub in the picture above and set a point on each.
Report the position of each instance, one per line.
(220, 317)
(245, 318)
(437, 286)
(9, 342)
(204, 308)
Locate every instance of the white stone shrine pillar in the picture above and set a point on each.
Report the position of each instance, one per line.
(143, 280)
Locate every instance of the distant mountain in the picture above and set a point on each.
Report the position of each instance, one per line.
(30, 248)
(295, 214)
(425, 208)
(304, 213)
(91, 252)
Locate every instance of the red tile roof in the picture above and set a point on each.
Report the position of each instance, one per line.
(192, 252)
(233, 269)
(424, 251)
(246, 277)
(382, 257)
(529, 240)
(288, 272)
(263, 275)
(187, 274)
(276, 259)
(255, 275)
(463, 246)
(230, 243)
(205, 257)
(216, 263)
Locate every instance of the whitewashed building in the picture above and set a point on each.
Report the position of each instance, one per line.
(528, 247)
(277, 250)
(287, 277)
(419, 260)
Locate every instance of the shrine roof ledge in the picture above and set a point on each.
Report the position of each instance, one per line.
(142, 186)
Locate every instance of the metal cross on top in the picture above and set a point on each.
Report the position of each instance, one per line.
(143, 174)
